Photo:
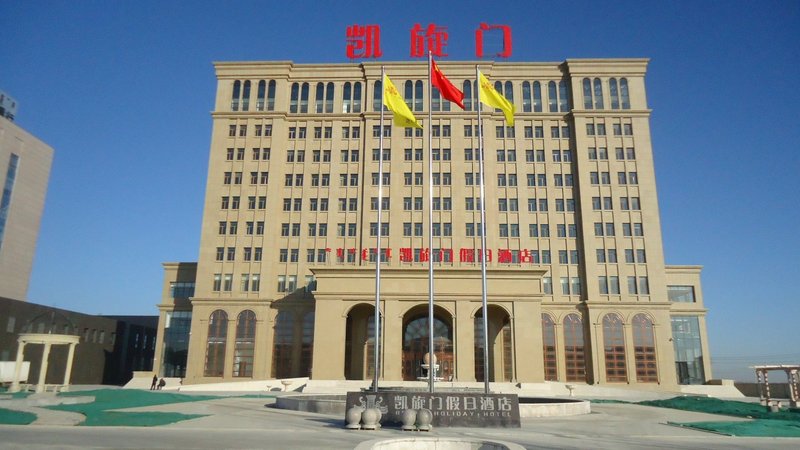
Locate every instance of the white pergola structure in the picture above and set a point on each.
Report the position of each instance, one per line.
(48, 340)
(793, 379)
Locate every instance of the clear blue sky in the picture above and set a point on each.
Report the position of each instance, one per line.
(122, 91)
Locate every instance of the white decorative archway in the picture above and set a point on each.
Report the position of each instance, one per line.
(48, 340)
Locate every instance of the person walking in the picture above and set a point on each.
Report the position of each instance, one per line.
(153, 384)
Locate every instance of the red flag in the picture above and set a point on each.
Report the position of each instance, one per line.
(444, 85)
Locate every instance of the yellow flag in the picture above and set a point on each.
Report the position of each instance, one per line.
(491, 97)
(403, 117)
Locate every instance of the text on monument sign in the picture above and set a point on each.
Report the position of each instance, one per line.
(449, 409)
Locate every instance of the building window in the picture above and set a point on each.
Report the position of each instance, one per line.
(549, 348)
(644, 348)
(574, 359)
(244, 345)
(215, 344)
(688, 349)
(623, 89)
(614, 349)
(681, 294)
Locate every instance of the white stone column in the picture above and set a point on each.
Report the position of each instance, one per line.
(18, 367)
(43, 368)
(68, 369)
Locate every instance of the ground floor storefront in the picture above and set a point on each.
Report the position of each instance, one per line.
(329, 333)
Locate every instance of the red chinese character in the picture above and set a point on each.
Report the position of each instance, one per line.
(406, 254)
(447, 254)
(424, 254)
(364, 41)
(504, 255)
(525, 256)
(365, 255)
(488, 255)
(506, 39)
(435, 37)
(340, 254)
(466, 255)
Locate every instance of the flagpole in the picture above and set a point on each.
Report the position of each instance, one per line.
(483, 241)
(377, 332)
(431, 352)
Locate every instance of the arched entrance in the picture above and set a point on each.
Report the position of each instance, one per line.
(359, 345)
(500, 345)
(416, 342)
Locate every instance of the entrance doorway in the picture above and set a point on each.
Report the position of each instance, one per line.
(416, 343)
(359, 345)
(500, 345)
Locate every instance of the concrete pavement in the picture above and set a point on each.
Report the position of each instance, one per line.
(252, 423)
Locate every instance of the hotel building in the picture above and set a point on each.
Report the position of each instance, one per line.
(578, 290)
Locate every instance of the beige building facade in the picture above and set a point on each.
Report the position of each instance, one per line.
(578, 290)
(24, 174)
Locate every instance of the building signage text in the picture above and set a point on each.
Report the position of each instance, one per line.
(364, 41)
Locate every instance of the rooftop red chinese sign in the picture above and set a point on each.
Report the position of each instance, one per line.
(364, 41)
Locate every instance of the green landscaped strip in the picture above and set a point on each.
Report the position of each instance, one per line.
(99, 413)
(9, 417)
(136, 419)
(785, 423)
(754, 428)
(724, 407)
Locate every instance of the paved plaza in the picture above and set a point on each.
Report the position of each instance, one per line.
(253, 422)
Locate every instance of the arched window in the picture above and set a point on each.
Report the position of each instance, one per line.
(346, 93)
(509, 91)
(537, 96)
(329, 96)
(612, 88)
(498, 86)
(418, 96)
(304, 98)
(552, 96)
(549, 348)
(436, 100)
(623, 90)
(271, 96)
(357, 97)
(262, 90)
(574, 358)
(408, 94)
(467, 95)
(614, 347)
(282, 345)
(526, 96)
(246, 96)
(294, 98)
(245, 344)
(320, 96)
(215, 344)
(598, 94)
(377, 96)
(563, 96)
(237, 87)
(644, 348)
(587, 94)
